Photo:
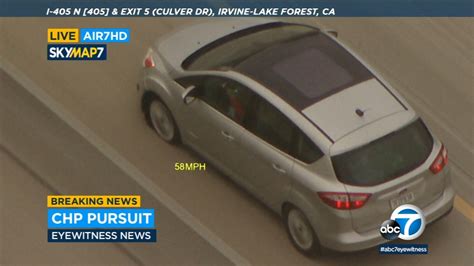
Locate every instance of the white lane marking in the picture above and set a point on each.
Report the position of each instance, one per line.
(123, 164)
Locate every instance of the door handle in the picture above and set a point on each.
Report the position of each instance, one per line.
(226, 135)
(278, 168)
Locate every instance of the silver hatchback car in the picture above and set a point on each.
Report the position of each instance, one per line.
(297, 119)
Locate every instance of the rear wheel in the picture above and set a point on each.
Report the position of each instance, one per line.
(162, 121)
(301, 232)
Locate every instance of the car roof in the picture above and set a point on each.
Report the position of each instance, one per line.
(353, 108)
(305, 70)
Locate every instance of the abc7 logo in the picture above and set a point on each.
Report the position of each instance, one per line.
(407, 222)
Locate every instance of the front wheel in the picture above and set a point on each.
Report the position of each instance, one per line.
(162, 121)
(301, 232)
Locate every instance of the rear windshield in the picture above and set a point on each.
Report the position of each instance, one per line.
(386, 158)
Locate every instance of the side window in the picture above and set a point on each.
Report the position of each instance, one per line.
(271, 125)
(305, 150)
(226, 96)
(211, 91)
(274, 127)
(260, 117)
(240, 99)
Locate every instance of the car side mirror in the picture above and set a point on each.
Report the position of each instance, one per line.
(332, 32)
(189, 94)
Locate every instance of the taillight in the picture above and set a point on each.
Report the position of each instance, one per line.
(440, 161)
(344, 201)
(149, 63)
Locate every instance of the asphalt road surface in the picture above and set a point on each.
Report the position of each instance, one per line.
(430, 61)
(42, 155)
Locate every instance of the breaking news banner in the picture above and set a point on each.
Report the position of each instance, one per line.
(232, 8)
(92, 201)
(99, 218)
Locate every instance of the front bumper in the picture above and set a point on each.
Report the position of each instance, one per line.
(354, 241)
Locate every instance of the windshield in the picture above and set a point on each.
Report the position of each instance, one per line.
(236, 47)
(386, 158)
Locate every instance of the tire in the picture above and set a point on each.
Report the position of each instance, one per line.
(161, 120)
(300, 232)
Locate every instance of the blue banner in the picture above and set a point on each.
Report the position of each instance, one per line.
(77, 52)
(104, 235)
(403, 249)
(101, 218)
(104, 35)
(301, 8)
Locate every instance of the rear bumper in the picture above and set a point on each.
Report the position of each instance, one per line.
(354, 241)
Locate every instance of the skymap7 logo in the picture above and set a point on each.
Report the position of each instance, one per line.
(77, 52)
